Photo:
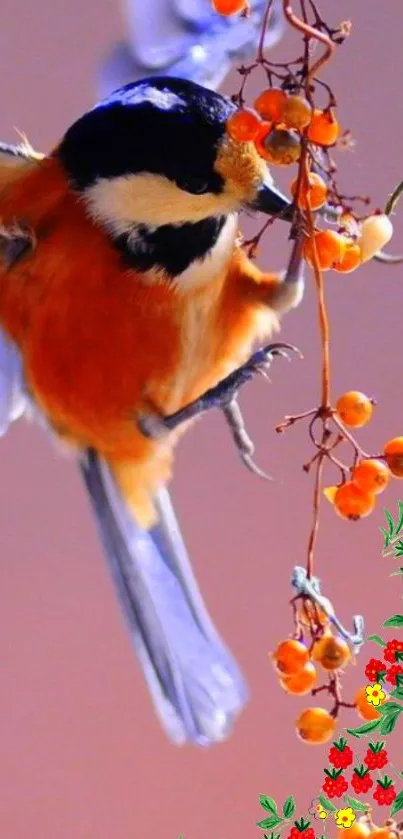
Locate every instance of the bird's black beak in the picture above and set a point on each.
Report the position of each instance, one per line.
(271, 201)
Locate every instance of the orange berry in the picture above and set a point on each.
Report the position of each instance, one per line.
(280, 146)
(270, 104)
(229, 7)
(352, 502)
(291, 656)
(312, 194)
(244, 125)
(354, 408)
(393, 452)
(364, 709)
(323, 129)
(315, 725)
(330, 249)
(358, 830)
(351, 259)
(300, 683)
(332, 653)
(371, 475)
(296, 112)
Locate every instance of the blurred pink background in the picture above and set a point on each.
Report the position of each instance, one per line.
(82, 754)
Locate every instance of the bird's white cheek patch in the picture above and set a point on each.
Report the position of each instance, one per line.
(151, 200)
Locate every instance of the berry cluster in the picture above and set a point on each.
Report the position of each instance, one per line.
(355, 498)
(296, 665)
(276, 127)
(341, 756)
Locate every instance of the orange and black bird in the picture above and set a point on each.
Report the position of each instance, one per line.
(127, 307)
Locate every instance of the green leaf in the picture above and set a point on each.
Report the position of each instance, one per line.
(364, 729)
(268, 804)
(397, 693)
(389, 709)
(377, 639)
(395, 620)
(327, 804)
(398, 573)
(289, 807)
(390, 522)
(399, 525)
(397, 804)
(269, 823)
(386, 537)
(388, 723)
(399, 549)
(356, 805)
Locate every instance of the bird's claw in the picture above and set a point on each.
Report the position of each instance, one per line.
(219, 396)
(224, 396)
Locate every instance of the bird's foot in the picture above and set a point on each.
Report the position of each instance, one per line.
(224, 396)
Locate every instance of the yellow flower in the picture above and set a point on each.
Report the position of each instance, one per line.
(375, 694)
(345, 817)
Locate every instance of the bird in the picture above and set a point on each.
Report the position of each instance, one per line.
(128, 307)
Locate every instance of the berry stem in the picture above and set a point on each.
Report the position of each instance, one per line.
(316, 507)
(265, 23)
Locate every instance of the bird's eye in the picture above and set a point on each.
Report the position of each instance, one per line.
(197, 186)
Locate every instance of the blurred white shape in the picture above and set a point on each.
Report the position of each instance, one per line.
(184, 38)
(12, 399)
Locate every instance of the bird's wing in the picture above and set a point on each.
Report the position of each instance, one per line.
(185, 38)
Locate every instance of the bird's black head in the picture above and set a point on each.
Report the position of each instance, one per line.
(155, 154)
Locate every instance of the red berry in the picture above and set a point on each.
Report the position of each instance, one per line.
(393, 671)
(373, 669)
(384, 795)
(376, 760)
(393, 647)
(335, 784)
(361, 780)
(340, 755)
(299, 832)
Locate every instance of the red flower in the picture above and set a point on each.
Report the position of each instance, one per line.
(374, 669)
(392, 648)
(392, 672)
